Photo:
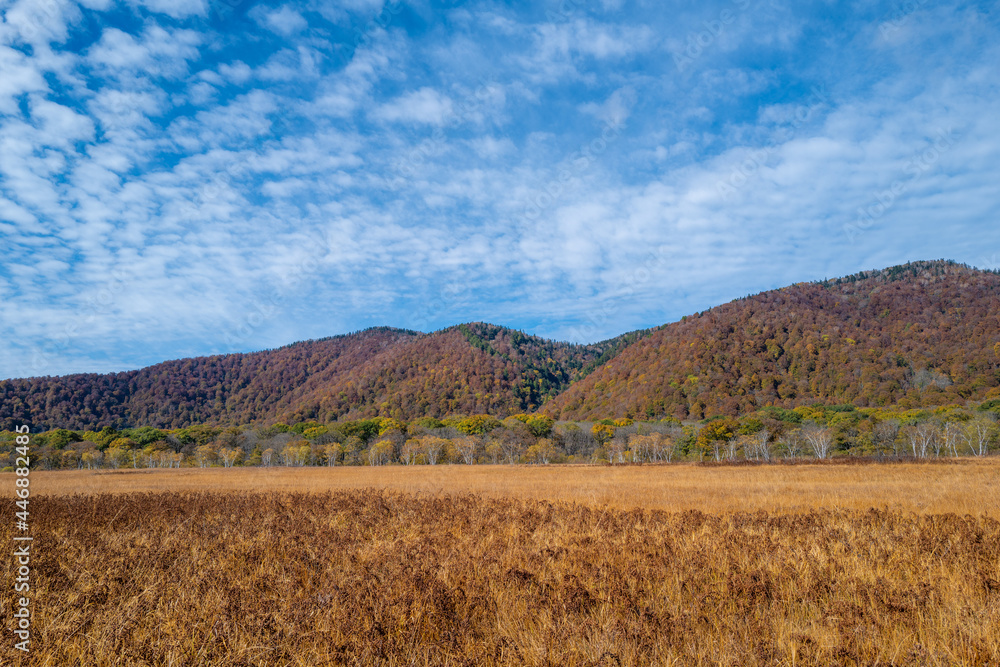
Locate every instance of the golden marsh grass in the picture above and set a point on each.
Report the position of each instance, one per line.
(962, 486)
(453, 565)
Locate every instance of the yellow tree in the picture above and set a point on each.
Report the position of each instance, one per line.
(116, 456)
(125, 451)
(542, 451)
(70, 458)
(204, 455)
(641, 447)
(389, 424)
(303, 453)
(494, 451)
(602, 433)
(432, 448)
(332, 453)
(229, 456)
(465, 448)
(411, 451)
(478, 424)
(714, 435)
(380, 453)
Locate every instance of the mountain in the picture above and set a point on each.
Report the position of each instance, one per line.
(921, 334)
(470, 368)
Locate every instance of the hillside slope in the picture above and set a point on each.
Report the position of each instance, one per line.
(232, 388)
(471, 368)
(922, 334)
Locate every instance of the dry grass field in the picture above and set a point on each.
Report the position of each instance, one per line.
(961, 486)
(677, 565)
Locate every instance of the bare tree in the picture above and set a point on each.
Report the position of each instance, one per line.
(278, 442)
(575, 440)
(466, 448)
(930, 434)
(433, 448)
(791, 443)
(640, 447)
(938, 442)
(667, 446)
(229, 456)
(921, 438)
(760, 445)
(733, 446)
(617, 447)
(951, 436)
(820, 439)
(716, 445)
(979, 432)
(886, 435)
(514, 439)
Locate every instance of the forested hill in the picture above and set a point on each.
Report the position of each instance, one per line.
(922, 334)
(471, 368)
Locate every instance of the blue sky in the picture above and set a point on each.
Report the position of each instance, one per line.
(190, 177)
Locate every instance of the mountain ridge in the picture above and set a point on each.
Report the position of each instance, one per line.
(376, 371)
(918, 333)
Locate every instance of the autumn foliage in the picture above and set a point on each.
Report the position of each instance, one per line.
(918, 335)
(470, 369)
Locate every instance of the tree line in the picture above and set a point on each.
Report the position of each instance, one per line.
(818, 431)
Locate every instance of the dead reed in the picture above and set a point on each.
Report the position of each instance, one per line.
(376, 577)
(962, 486)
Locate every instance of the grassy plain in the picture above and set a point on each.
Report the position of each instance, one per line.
(453, 565)
(962, 486)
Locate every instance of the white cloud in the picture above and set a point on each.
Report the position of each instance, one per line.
(237, 72)
(616, 109)
(425, 105)
(38, 23)
(212, 164)
(19, 76)
(177, 9)
(288, 65)
(285, 21)
(488, 147)
(12, 212)
(589, 38)
(60, 125)
(243, 118)
(158, 52)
